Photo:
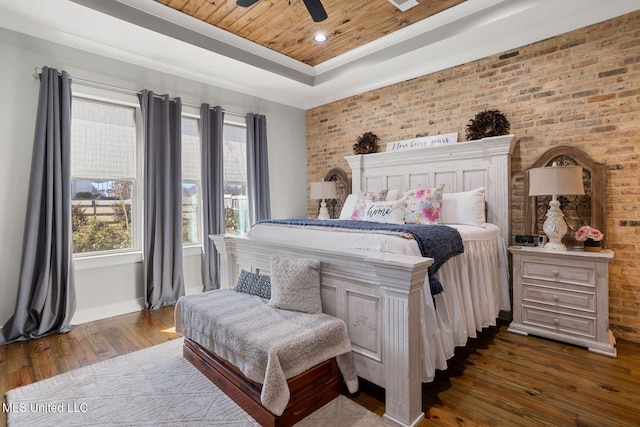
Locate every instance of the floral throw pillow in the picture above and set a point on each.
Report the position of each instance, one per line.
(422, 205)
(364, 199)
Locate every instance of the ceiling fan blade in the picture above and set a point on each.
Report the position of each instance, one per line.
(316, 10)
(246, 3)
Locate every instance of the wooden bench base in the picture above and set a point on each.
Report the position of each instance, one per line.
(309, 391)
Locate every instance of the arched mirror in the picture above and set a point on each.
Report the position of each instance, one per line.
(587, 209)
(343, 189)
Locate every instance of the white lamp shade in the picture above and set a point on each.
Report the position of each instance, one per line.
(555, 180)
(323, 190)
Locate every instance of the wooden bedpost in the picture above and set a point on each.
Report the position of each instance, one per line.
(228, 267)
(402, 286)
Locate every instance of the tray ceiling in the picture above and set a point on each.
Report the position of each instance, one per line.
(286, 27)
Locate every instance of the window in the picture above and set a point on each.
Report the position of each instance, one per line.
(236, 213)
(103, 176)
(190, 181)
(106, 176)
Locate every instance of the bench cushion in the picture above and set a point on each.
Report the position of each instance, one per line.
(268, 345)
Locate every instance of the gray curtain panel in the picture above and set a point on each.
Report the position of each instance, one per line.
(162, 247)
(46, 295)
(211, 127)
(257, 168)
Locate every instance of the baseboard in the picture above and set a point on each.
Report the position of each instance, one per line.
(97, 313)
(191, 291)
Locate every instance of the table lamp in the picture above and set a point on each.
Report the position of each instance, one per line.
(323, 190)
(553, 181)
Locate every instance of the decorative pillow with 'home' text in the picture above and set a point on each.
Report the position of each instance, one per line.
(385, 212)
(363, 199)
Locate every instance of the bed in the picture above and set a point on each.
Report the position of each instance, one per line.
(401, 333)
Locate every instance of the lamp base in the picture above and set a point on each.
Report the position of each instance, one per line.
(324, 212)
(553, 246)
(555, 227)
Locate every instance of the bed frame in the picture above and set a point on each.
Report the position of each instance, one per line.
(378, 295)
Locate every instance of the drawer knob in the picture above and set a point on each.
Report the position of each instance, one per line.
(555, 272)
(555, 297)
(556, 322)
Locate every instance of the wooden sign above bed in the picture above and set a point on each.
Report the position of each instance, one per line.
(423, 142)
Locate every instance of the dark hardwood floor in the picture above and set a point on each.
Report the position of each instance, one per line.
(504, 379)
(498, 379)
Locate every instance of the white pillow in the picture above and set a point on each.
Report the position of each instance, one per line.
(385, 212)
(465, 208)
(295, 284)
(348, 206)
(392, 195)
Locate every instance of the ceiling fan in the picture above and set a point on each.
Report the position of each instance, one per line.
(315, 8)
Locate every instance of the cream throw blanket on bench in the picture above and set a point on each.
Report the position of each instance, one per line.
(267, 344)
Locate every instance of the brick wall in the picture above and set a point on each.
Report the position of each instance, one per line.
(581, 89)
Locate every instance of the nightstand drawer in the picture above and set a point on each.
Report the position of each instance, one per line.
(575, 325)
(563, 298)
(576, 272)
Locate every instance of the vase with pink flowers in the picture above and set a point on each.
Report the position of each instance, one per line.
(591, 237)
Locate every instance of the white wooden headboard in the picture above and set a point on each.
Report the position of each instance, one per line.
(461, 167)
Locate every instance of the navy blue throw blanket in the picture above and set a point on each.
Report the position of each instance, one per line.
(435, 241)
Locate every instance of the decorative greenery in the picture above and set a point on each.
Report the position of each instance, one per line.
(366, 143)
(488, 123)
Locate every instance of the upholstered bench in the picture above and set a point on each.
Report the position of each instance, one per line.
(278, 364)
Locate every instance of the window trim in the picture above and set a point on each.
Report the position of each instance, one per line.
(89, 260)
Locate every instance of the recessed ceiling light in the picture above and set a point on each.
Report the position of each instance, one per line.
(320, 37)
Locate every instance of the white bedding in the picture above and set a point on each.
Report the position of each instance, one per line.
(475, 283)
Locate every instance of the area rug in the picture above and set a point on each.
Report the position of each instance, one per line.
(155, 386)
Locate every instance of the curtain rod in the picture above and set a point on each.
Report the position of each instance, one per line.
(37, 71)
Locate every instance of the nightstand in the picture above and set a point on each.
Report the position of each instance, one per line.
(563, 296)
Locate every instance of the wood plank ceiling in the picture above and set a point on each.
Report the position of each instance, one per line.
(286, 27)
